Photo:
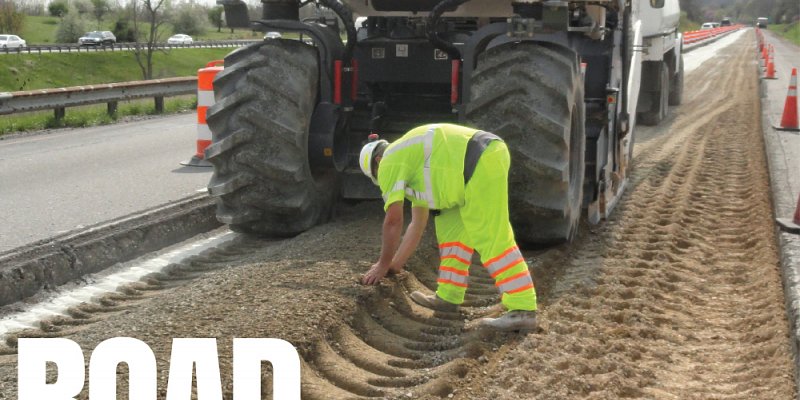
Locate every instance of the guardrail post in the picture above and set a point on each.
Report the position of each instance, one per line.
(159, 104)
(60, 112)
(112, 107)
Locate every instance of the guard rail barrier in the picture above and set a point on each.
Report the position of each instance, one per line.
(111, 93)
(69, 48)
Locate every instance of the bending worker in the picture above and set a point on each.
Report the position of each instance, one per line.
(462, 174)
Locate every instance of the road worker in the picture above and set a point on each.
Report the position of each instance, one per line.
(461, 175)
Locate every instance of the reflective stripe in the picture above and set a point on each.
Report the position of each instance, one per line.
(399, 185)
(504, 261)
(427, 143)
(456, 251)
(516, 283)
(453, 276)
(203, 132)
(205, 98)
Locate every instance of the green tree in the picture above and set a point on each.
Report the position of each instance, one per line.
(58, 9)
(100, 9)
(10, 20)
(215, 17)
(189, 21)
(123, 30)
(155, 14)
(70, 29)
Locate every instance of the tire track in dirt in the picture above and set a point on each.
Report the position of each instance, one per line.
(678, 296)
(686, 301)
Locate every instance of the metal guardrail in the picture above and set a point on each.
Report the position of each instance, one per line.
(70, 47)
(111, 93)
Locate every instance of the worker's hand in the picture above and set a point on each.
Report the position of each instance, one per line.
(375, 274)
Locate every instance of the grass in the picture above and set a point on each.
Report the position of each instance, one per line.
(30, 72)
(686, 24)
(92, 115)
(789, 31)
(52, 70)
(42, 30)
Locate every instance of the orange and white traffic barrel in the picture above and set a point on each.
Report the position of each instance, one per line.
(205, 99)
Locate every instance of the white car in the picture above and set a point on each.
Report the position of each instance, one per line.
(708, 25)
(180, 39)
(273, 35)
(11, 42)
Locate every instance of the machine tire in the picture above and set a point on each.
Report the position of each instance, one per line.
(676, 86)
(659, 96)
(531, 95)
(262, 179)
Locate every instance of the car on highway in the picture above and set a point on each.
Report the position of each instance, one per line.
(762, 22)
(11, 42)
(97, 38)
(273, 35)
(708, 25)
(725, 22)
(180, 39)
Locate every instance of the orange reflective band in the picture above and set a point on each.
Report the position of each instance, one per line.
(503, 254)
(526, 287)
(507, 267)
(453, 270)
(451, 282)
(201, 114)
(511, 278)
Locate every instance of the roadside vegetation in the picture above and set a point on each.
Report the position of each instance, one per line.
(789, 31)
(30, 72)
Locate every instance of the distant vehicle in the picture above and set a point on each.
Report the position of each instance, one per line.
(97, 38)
(725, 22)
(11, 42)
(761, 22)
(708, 25)
(180, 39)
(273, 35)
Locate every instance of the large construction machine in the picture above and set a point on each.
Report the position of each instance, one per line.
(562, 82)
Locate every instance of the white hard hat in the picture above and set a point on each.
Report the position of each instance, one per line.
(365, 159)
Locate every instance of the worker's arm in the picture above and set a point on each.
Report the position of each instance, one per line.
(392, 230)
(419, 218)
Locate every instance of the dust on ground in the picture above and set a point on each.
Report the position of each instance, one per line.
(677, 297)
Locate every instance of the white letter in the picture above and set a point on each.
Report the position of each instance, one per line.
(32, 357)
(247, 357)
(186, 353)
(141, 369)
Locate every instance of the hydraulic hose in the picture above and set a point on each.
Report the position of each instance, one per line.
(347, 19)
(433, 20)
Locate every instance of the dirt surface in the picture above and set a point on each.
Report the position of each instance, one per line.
(677, 297)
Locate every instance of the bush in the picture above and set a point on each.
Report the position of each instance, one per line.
(124, 31)
(58, 9)
(71, 28)
(190, 22)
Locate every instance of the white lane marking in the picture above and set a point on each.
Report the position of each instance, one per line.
(132, 271)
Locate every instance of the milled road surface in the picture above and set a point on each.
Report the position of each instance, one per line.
(677, 297)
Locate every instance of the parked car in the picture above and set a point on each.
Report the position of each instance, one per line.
(180, 39)
(97, 38)
(11, 42)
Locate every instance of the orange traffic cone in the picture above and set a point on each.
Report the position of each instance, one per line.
(770, 69)
(789, 120)
(791, 225)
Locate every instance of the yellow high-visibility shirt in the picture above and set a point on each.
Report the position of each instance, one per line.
(426, 166)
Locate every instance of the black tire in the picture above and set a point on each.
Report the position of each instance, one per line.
(262, 179)
(676, 86)
(657, 77)
(531, 95)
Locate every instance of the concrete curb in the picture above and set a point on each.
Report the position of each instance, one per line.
(51, 262)
(789, 244)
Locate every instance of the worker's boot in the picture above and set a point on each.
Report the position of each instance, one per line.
(433, 302)
(518, 320)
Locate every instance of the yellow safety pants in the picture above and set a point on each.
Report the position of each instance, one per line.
(482, 224)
